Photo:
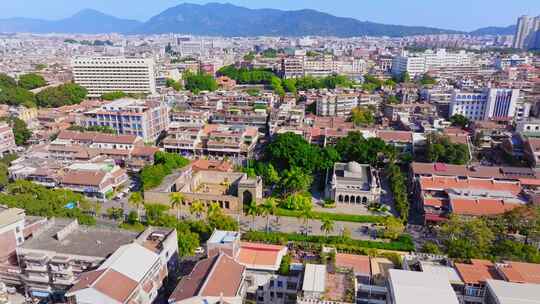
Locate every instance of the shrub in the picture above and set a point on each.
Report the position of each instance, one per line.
(340, 217)
(403, 243)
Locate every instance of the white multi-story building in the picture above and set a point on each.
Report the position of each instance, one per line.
(527, 33)
(488, 104)
(7, 139)
(419, 63)
(101, 75)
(143, 118)
(330, 103)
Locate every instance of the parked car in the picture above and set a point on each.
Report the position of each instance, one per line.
(199, 250)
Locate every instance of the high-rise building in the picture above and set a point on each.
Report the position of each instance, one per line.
(527, 33)
(101, 75)
(488, 104)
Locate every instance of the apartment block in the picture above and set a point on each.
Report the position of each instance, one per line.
(334, 103)
(419, 63)
(490, 103)
(143, 118)
(101, 75)
(212, 139)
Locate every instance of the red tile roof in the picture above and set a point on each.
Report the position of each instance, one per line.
(360, 263)
(519, 272)
(477, 272)
(479, 207)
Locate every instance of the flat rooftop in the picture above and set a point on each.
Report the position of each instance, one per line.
(223, 237)
(83, 240)
(514, 293)
(420, 288)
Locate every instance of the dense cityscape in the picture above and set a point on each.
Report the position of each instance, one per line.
(312, 169)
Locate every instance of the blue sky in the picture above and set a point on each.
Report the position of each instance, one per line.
(450, 14)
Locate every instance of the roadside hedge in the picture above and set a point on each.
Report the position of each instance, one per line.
(340, 217)
(403, 243)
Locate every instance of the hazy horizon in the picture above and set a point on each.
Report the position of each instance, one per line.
(458, 14)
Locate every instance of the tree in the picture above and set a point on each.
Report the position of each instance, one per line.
(136, 200)
(459, 120)
(171, 83)
(398, 187)
(268, 208)
(292, 150)
(466, 238)
(327, 225)
(113, 95)
(252, 210)
(65, 94)
(20, 130)
(249, 56)
(31, 81)
(431, 248)
(427, 80)
(362, 116)
(4, 175)
(17, 96)
(373, 151)
(295, 180)
(296, 201)
(188, 242)
(177, 199)
(393, 227)
(200, 82)
(441, 149)
(306, 213)
(7, 81)
(197, 208)
(213, 210)
(115, 213)
(271, 176)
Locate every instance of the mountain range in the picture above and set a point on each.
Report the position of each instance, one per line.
(215, 19)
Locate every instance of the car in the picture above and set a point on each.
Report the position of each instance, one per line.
(199, 250)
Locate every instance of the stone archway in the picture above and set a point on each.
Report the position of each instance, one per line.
(247, 197)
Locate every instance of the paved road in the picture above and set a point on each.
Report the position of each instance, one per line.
(282, 224)
(290, 224)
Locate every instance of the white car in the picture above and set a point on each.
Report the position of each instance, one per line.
(199, 250)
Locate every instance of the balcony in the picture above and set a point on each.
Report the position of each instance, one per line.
(36, 267)
(66, 280)
(36, 278)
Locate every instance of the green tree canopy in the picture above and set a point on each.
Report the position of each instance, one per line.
(362, 116)
(31, 81)
(200, 82)
(65, 94)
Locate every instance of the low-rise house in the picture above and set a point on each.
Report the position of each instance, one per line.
(214, 280)
(475, 276)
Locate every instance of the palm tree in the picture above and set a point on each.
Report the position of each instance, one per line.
(176, 199)
(136, 200)
(305, 215)
(327, 225)
(269, 207)
(253, 210)
(213, 209)
(197, 208)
